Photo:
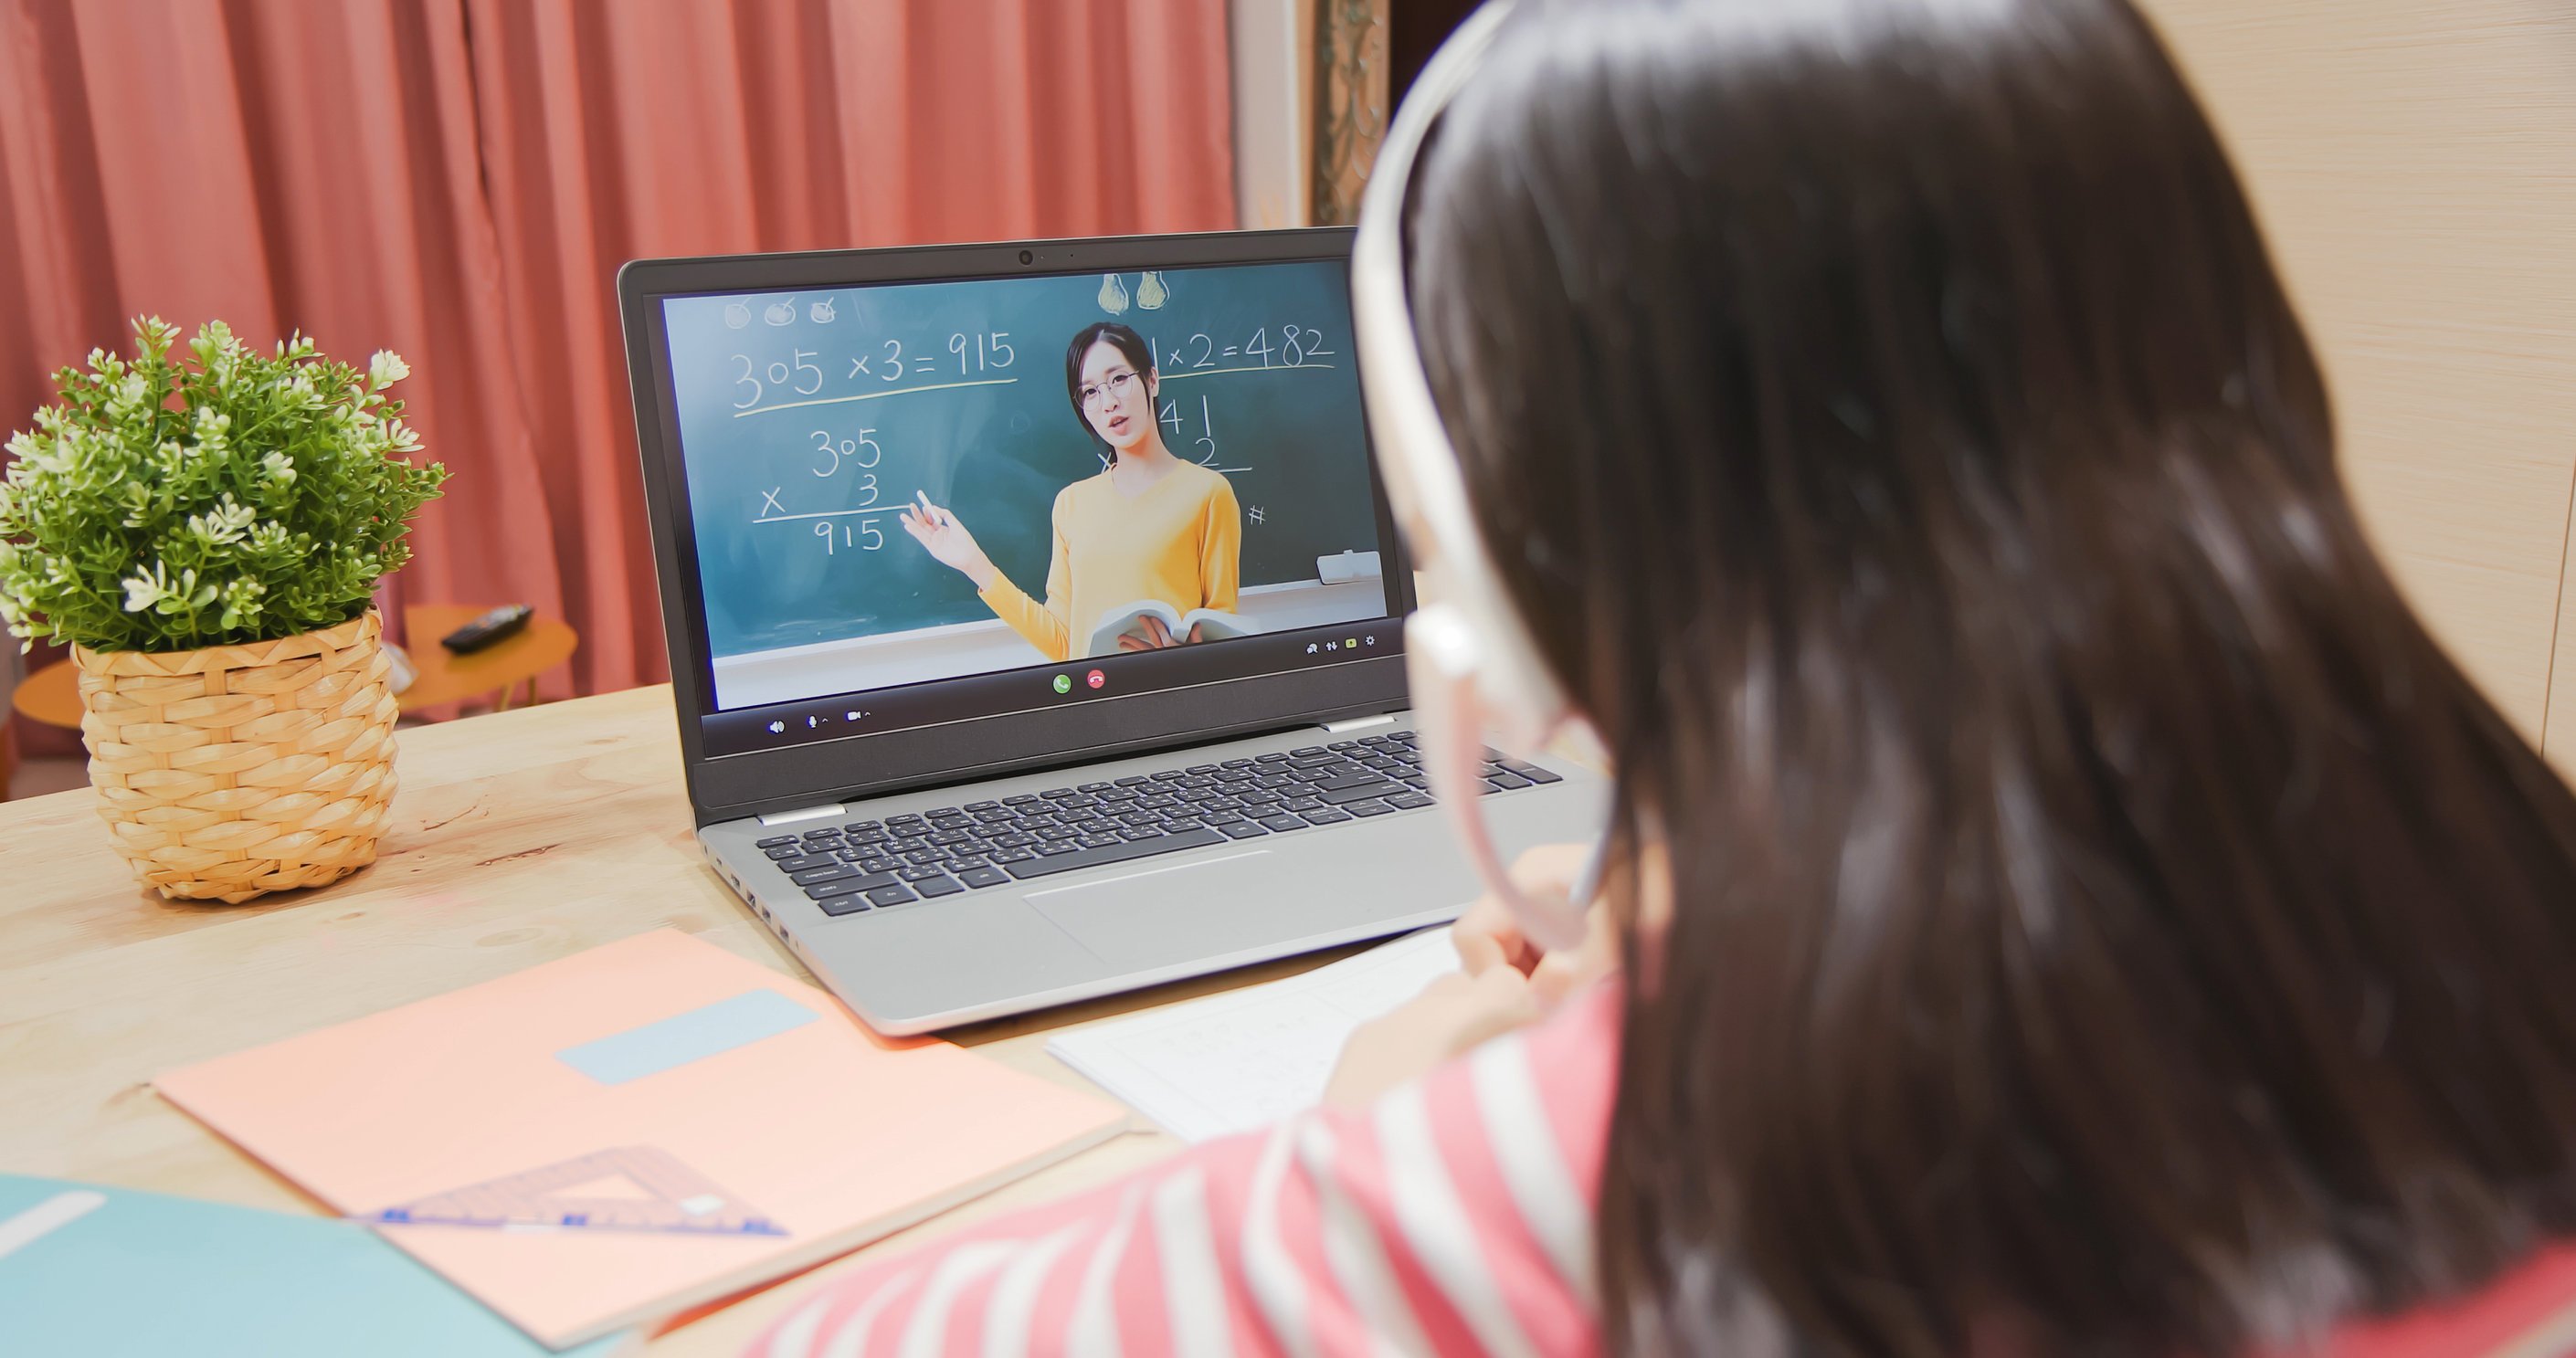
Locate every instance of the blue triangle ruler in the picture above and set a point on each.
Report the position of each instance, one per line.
(627, 1188)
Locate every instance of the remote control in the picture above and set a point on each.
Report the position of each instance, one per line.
(489, 628)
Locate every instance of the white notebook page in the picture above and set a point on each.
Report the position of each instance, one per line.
(1245, 1059)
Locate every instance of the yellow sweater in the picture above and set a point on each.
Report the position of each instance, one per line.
(1179, 541)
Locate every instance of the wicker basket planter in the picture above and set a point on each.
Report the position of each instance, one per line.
(232, 771)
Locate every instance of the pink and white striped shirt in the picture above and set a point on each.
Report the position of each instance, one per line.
(1454, 1216)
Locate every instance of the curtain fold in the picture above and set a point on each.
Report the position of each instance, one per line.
(459, 180)
(1351, 102)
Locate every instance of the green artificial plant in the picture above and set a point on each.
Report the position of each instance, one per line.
(165, 505)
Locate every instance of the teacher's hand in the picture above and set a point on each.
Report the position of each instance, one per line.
(1156, 636)
(948, 542)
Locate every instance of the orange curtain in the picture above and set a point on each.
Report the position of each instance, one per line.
(458, 180)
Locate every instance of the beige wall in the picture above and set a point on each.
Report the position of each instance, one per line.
(2415, 164)
(1273, 45)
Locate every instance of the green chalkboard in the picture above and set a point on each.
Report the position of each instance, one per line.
(808, 419)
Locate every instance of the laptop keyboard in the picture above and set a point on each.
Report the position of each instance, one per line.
(952, 849)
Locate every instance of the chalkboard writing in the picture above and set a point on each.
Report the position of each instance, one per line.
(807, 420)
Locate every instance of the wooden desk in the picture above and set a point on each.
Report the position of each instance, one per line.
(517, 838)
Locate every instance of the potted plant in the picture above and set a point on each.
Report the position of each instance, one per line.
(208, 536)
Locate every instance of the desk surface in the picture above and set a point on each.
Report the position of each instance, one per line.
(517, 838)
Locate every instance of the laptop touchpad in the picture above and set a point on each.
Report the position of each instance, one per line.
(1180, 912)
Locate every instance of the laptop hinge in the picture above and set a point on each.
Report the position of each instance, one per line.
(803, 813)
(1360, 723)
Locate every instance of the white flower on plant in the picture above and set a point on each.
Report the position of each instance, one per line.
(216, 348)
(279, 468)
(384, 368)
(125, 399)
(47, 457)
(212, 428)
(223, 526)
(155, 590)
(144, 590)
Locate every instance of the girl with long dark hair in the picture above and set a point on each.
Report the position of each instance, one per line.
(2061, 901)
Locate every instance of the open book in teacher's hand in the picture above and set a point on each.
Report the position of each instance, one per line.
(1129, 620)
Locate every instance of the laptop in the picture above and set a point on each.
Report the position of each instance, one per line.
(1035, 615)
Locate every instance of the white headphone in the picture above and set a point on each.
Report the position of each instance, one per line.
(1473, 663)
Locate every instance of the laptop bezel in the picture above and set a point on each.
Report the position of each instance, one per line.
(856, 767)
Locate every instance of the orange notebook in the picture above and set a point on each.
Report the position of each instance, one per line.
(633, 1130)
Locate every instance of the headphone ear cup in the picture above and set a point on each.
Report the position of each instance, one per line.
(1452, 720)
(1440, 637)
(1455, 641)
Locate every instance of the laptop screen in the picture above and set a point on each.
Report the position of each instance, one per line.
(917, 503)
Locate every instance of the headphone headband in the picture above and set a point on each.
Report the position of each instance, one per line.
(1474, 628)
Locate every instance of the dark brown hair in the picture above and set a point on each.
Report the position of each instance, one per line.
(2104, 921)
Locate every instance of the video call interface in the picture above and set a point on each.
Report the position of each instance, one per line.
(919, 502)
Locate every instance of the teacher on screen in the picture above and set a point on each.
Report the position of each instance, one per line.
(1149, 526)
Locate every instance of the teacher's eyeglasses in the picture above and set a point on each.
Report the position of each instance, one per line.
(1116, 384)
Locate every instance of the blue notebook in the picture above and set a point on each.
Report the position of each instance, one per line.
(110, 1272)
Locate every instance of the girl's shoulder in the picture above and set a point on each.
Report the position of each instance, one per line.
(2530, 1310)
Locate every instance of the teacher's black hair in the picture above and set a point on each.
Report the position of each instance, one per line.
(2103, 921)
(1129, 345)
